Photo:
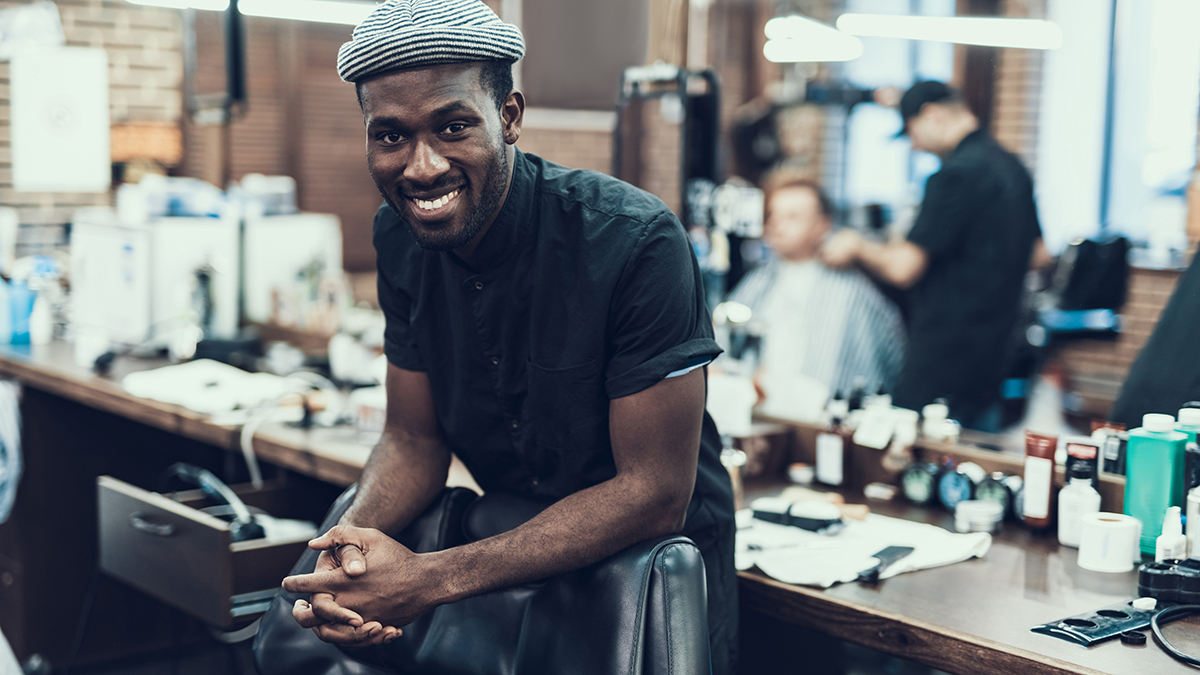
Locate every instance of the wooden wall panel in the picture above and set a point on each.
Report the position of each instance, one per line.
(301, 120)
(333, 166)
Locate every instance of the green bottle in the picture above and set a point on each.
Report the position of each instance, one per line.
(1153, 474)
(1189, 422)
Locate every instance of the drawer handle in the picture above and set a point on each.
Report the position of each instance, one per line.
(142, 525)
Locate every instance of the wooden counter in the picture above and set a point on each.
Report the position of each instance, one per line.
(972, 617)
(332, 455)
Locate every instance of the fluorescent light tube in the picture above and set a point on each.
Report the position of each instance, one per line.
(966, 30)
(796, 38)
(322, 11)
(211, 5)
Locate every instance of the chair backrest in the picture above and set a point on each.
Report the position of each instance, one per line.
(642, 611)
(677, 612)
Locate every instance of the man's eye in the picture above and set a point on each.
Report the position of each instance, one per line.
(455, 128)
(390, 138)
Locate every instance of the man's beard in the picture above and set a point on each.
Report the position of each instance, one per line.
(448, 239)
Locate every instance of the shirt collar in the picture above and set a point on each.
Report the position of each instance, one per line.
(975, 137)
(514, 223)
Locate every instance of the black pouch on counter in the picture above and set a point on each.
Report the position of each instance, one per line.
(1093, 274)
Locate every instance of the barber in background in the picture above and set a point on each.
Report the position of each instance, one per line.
(833, 326)
(963, 263)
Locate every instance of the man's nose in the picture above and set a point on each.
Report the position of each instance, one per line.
(425, 165)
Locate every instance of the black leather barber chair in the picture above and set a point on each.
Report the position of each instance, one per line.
(641, 611)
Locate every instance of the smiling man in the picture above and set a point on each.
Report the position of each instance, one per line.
(546, 325)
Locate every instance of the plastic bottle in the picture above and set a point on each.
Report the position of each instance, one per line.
(1189, 423)
(1193, 520)
(1039, 478)
(832, 457)
(1154, 461)
(5, 314)
(41, 321)
(21, 299)
(1171, 544)
(1075, 500)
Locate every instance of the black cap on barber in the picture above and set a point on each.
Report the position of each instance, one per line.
(928, 91)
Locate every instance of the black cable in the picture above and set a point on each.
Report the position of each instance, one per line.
(1170, 614)
(81, 627)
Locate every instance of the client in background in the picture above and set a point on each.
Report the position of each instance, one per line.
(815, 323)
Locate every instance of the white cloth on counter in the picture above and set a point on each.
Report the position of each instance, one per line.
(211, 388)
(796, 556)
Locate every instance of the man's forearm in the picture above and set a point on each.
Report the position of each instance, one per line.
(579, 530)
(401, 477)
(899, 263)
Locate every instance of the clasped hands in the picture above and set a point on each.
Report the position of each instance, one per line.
(364, 586)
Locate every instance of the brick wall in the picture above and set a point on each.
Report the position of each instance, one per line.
(145, 72)
(1018, 88)
(578, 139)
(302, 121)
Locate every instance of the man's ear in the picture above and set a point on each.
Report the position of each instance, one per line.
(512, 114)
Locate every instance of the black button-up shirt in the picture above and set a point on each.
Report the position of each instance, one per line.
(584, 290)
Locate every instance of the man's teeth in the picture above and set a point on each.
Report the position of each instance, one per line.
(437, 203)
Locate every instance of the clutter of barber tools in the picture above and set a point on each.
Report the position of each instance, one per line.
(1160, 461)
(243, 294)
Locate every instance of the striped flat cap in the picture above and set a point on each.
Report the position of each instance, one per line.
(412, 33)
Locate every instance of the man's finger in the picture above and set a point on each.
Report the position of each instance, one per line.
(303, 614)
(350, 636)
(352, 559)
(327, 610)
(341, 535)
(317, 582)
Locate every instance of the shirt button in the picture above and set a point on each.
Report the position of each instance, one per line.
(534, 482)
(495, 360)
(479, 285)
(514, 424)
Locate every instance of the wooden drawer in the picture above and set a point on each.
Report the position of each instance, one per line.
(172, 551)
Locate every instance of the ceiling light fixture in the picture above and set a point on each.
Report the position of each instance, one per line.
(321, 11)
(792, 39)
(965, 30)
(210, 5)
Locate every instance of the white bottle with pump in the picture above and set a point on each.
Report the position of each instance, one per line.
(1075, 500)
(1171, 544)
(1193, 520)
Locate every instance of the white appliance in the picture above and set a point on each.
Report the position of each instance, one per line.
(277, 251)
(140, 282)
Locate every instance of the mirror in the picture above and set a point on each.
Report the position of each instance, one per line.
(1106, 125)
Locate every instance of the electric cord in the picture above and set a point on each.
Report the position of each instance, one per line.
(306, 380)
(85, 613)
(1170, 614)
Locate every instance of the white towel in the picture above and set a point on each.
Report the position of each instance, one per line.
(208, 386)
(796, 556)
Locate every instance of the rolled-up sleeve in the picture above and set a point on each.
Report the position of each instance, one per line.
(658, 323)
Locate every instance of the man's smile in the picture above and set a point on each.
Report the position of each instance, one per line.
(435, 206)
